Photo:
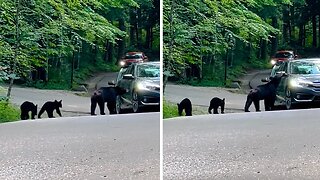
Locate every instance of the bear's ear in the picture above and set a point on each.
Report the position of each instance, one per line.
(60, 101)
(223, 99)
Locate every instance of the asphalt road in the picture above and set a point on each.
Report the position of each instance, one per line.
(201, 96)
(256, 78)
(101, 147)
(72, 104)
(262, 145)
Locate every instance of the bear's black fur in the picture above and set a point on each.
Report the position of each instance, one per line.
(50, 106)
(106, 95)
(266, 92)
(215, 103)
(185, 105)
(25, 108)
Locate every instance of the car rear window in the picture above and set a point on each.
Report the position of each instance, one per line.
(284, 55)
(136, 56)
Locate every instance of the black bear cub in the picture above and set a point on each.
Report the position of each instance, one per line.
(185, 105)
(106, 95)
(25, 108)
(49, 107)
(266, 92)
(215, 103)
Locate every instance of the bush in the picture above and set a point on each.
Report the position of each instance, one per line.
(8, 112)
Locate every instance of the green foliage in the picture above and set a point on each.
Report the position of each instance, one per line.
(48, 33)
(169, 110)
(200, 35)
(196, 29)
(8, 112)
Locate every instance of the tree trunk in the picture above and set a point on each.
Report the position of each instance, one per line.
(291, 28)
(121, 42)
(138, 28)
(300, 35)
(133, 22)
(110, 53)
(319, 30)
(274, 39)
(106, 51)
(263, 49)
(16, 49)
(286, 25)
(314, 31)
(170, 50)
(148, 37)
(304, 36)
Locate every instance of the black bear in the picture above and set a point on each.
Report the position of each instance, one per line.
(25, 108)
(50, 106)
(215, 103)
(106, 95)
(185, 105)
(266, 92)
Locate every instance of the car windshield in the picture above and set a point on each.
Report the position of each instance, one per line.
(148, 70)
(305, 67)
(284, 55)
(135, 56)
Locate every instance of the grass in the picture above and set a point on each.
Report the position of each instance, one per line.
(170, 110)
(8, 112)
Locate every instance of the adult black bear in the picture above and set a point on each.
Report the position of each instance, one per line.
(106, 95)
(185, 105)
(215, 103)
(25, 108)
(50, 106)
(266, 92)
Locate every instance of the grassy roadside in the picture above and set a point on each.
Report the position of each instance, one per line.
(8, 112)
(170, 110)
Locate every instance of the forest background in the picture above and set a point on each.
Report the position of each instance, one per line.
(57, 44)
(213, 42)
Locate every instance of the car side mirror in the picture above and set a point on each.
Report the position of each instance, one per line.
(128, 76)
(265, 79)
(281, 73)
(111, 83)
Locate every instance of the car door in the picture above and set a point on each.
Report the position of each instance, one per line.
(281, 90)
(125, 84)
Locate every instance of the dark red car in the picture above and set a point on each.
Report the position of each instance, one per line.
(283, 55)
(133, 57)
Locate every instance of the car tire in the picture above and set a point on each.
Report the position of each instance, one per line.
(135, 102)
(118, 105)
(288, 99)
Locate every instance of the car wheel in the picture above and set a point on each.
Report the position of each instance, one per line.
(118, 105)
(288, 99)
(135, 102)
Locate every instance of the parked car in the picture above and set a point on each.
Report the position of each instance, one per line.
(300, 82)
(281, 56)
(142, 81)
(133, 57)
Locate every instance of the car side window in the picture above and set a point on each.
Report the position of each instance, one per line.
(128, 70)
(121, 73)
(132, 70)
